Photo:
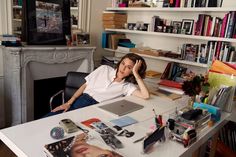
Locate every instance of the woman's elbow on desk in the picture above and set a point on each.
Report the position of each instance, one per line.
(138, 93)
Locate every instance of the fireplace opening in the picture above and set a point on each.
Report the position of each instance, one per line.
(43, 90)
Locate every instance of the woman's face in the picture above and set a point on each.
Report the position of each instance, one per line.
(125, 68)
(82, 149)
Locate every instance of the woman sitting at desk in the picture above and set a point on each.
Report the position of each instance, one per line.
(106, 83)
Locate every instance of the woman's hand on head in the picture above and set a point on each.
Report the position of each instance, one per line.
(64, 107)
(137, 66)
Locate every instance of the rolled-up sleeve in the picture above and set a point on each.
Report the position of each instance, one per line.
(130, 88)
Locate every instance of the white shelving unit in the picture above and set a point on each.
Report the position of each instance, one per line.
(166, 59)
(146, 9)
(173, 35)
(170, 41)
(16, 18)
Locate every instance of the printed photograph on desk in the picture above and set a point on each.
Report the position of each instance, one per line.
(79, 146)
(102, 128)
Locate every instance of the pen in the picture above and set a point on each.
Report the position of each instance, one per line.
(138, 140)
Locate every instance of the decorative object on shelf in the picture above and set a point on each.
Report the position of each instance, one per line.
(83, 38)
(187, 26)
(47, 22)
(137, 3)
(176, 27)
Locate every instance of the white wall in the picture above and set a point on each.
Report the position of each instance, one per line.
(96, 28)
(3, 29)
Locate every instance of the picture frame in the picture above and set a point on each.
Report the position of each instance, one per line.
(47, 22)
(176, 26)
(187, 26)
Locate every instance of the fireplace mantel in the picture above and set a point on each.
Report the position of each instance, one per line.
(23, 65)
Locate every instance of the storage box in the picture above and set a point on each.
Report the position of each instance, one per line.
(114, 17)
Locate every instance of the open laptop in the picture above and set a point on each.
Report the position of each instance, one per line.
(121, 107)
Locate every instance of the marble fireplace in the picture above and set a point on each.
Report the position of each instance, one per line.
(23, 65)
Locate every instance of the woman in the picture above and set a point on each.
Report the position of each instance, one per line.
(106, 83)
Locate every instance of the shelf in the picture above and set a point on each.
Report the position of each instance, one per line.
(174, 35)
(17, 7)
(74, 8)
(166, 59)
(18, 20)
(17, 32)
(148, 9)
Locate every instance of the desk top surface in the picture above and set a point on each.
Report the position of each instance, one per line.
(28, 139)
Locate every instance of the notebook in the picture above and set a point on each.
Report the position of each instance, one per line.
(121, 107)
(124, 121)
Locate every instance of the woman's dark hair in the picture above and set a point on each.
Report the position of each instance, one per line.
(134, 57)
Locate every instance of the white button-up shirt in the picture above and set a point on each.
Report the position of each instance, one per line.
(101, 85)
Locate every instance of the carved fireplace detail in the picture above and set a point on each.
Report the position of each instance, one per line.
(23, 65)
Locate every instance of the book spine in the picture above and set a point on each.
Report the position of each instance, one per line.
(227, 25)
(231, 25)
(222, 33)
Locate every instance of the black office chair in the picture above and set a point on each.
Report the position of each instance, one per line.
(73, 82)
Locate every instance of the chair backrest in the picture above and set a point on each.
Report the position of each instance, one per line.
(73, 82)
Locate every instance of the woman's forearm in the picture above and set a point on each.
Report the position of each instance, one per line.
(143, 91)
(76, 94)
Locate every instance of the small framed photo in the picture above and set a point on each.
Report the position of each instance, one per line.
(187, 26)
(176, 26)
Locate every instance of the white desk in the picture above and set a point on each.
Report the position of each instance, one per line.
(28, 139)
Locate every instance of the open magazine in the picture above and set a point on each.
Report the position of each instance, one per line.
(77, 146)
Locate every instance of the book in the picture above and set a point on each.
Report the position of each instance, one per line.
(172, 90)
(171, 84)
(78, 145)
(124, 121)
(167, 94)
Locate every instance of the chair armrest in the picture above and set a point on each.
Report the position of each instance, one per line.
(52, 97)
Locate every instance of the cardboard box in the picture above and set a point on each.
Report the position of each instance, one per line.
(113, 22)
(150, 52)
(114, 17)
(113, 26)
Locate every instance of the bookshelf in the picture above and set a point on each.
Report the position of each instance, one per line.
(174, 35)
(16, 17)
(171, 41)
(165, 59)
(75, 13)
(212, 9)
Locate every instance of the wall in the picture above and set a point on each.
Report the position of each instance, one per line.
(96, 28)
(3, 29)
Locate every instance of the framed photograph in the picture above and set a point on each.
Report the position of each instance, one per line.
(187, 26)
(47, 21)
(176, 26)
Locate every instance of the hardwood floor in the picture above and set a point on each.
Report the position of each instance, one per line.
(5, 151)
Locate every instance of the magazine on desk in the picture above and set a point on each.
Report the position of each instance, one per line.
(78, 145)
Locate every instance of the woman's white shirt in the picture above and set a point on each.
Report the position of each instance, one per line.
(101, 86)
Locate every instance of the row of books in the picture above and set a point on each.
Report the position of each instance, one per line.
(110, 39)
(10, 40)
(207, 25)
(192, 3)
(205, 53)
(175, 3)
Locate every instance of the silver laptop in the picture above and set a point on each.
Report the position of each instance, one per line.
(121, 107)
